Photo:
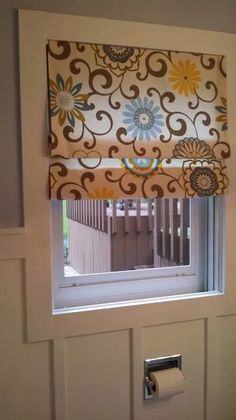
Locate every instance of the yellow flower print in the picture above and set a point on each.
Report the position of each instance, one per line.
(102, 194)
(67, 101)
(185, 77)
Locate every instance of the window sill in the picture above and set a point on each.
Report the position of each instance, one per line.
(136, 302)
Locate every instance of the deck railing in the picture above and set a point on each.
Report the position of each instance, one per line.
(91, 213)
(168, 219)
(172, 225)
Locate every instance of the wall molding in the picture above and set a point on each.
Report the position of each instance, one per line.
(59, 378)
(12, 243)
(136, 373)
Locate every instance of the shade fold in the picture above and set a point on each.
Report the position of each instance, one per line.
(129, 122)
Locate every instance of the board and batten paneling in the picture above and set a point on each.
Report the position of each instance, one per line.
(49, 380)
(100, 376)
(225, 367)
(26, 387)
(186, 338)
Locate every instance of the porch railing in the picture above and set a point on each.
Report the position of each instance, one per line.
(168, 219)
(91, 213)
(172, 231)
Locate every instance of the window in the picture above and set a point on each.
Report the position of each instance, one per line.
(116, 251)
(35, 29)
(148, 128)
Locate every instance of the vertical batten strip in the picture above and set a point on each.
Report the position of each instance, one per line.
(59, 379)
(211, 401)
(137, 371)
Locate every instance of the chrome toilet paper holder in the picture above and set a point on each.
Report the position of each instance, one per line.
(153, 365)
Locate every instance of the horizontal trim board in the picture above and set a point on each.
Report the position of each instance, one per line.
(12, 231)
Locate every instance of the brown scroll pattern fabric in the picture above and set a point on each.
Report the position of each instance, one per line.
(131, 122)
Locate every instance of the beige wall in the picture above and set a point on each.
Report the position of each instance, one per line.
(90, 377)
(205, 14)
(97, 377)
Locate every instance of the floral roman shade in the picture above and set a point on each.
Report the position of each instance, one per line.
(128, 122)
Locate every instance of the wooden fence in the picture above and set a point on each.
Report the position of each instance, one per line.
(172, 232)
(91, 213)
(133, 233)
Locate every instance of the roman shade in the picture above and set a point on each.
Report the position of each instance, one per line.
(128, 122)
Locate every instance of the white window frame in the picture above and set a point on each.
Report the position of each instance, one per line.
(100, 288)
(35, 28)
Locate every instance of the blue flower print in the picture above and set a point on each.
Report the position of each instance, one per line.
(143, 119)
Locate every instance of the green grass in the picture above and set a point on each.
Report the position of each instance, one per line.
(65, 221)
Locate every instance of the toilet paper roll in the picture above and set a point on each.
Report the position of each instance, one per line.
(168, 382)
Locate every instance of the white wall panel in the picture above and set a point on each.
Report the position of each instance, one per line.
(187, 339)
(98, 377)
(25, 373)
(97, 368)
(225, 369)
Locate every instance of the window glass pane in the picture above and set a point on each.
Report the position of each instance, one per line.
(108, 235)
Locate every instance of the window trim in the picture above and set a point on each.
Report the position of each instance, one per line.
(127, 285)
(35, 28)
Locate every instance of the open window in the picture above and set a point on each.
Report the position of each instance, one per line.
(115, 251)
(210, 53)
(138, 148)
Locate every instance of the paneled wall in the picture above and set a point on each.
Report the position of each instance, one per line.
(26, 386)
(99, 377)
(211, 15)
